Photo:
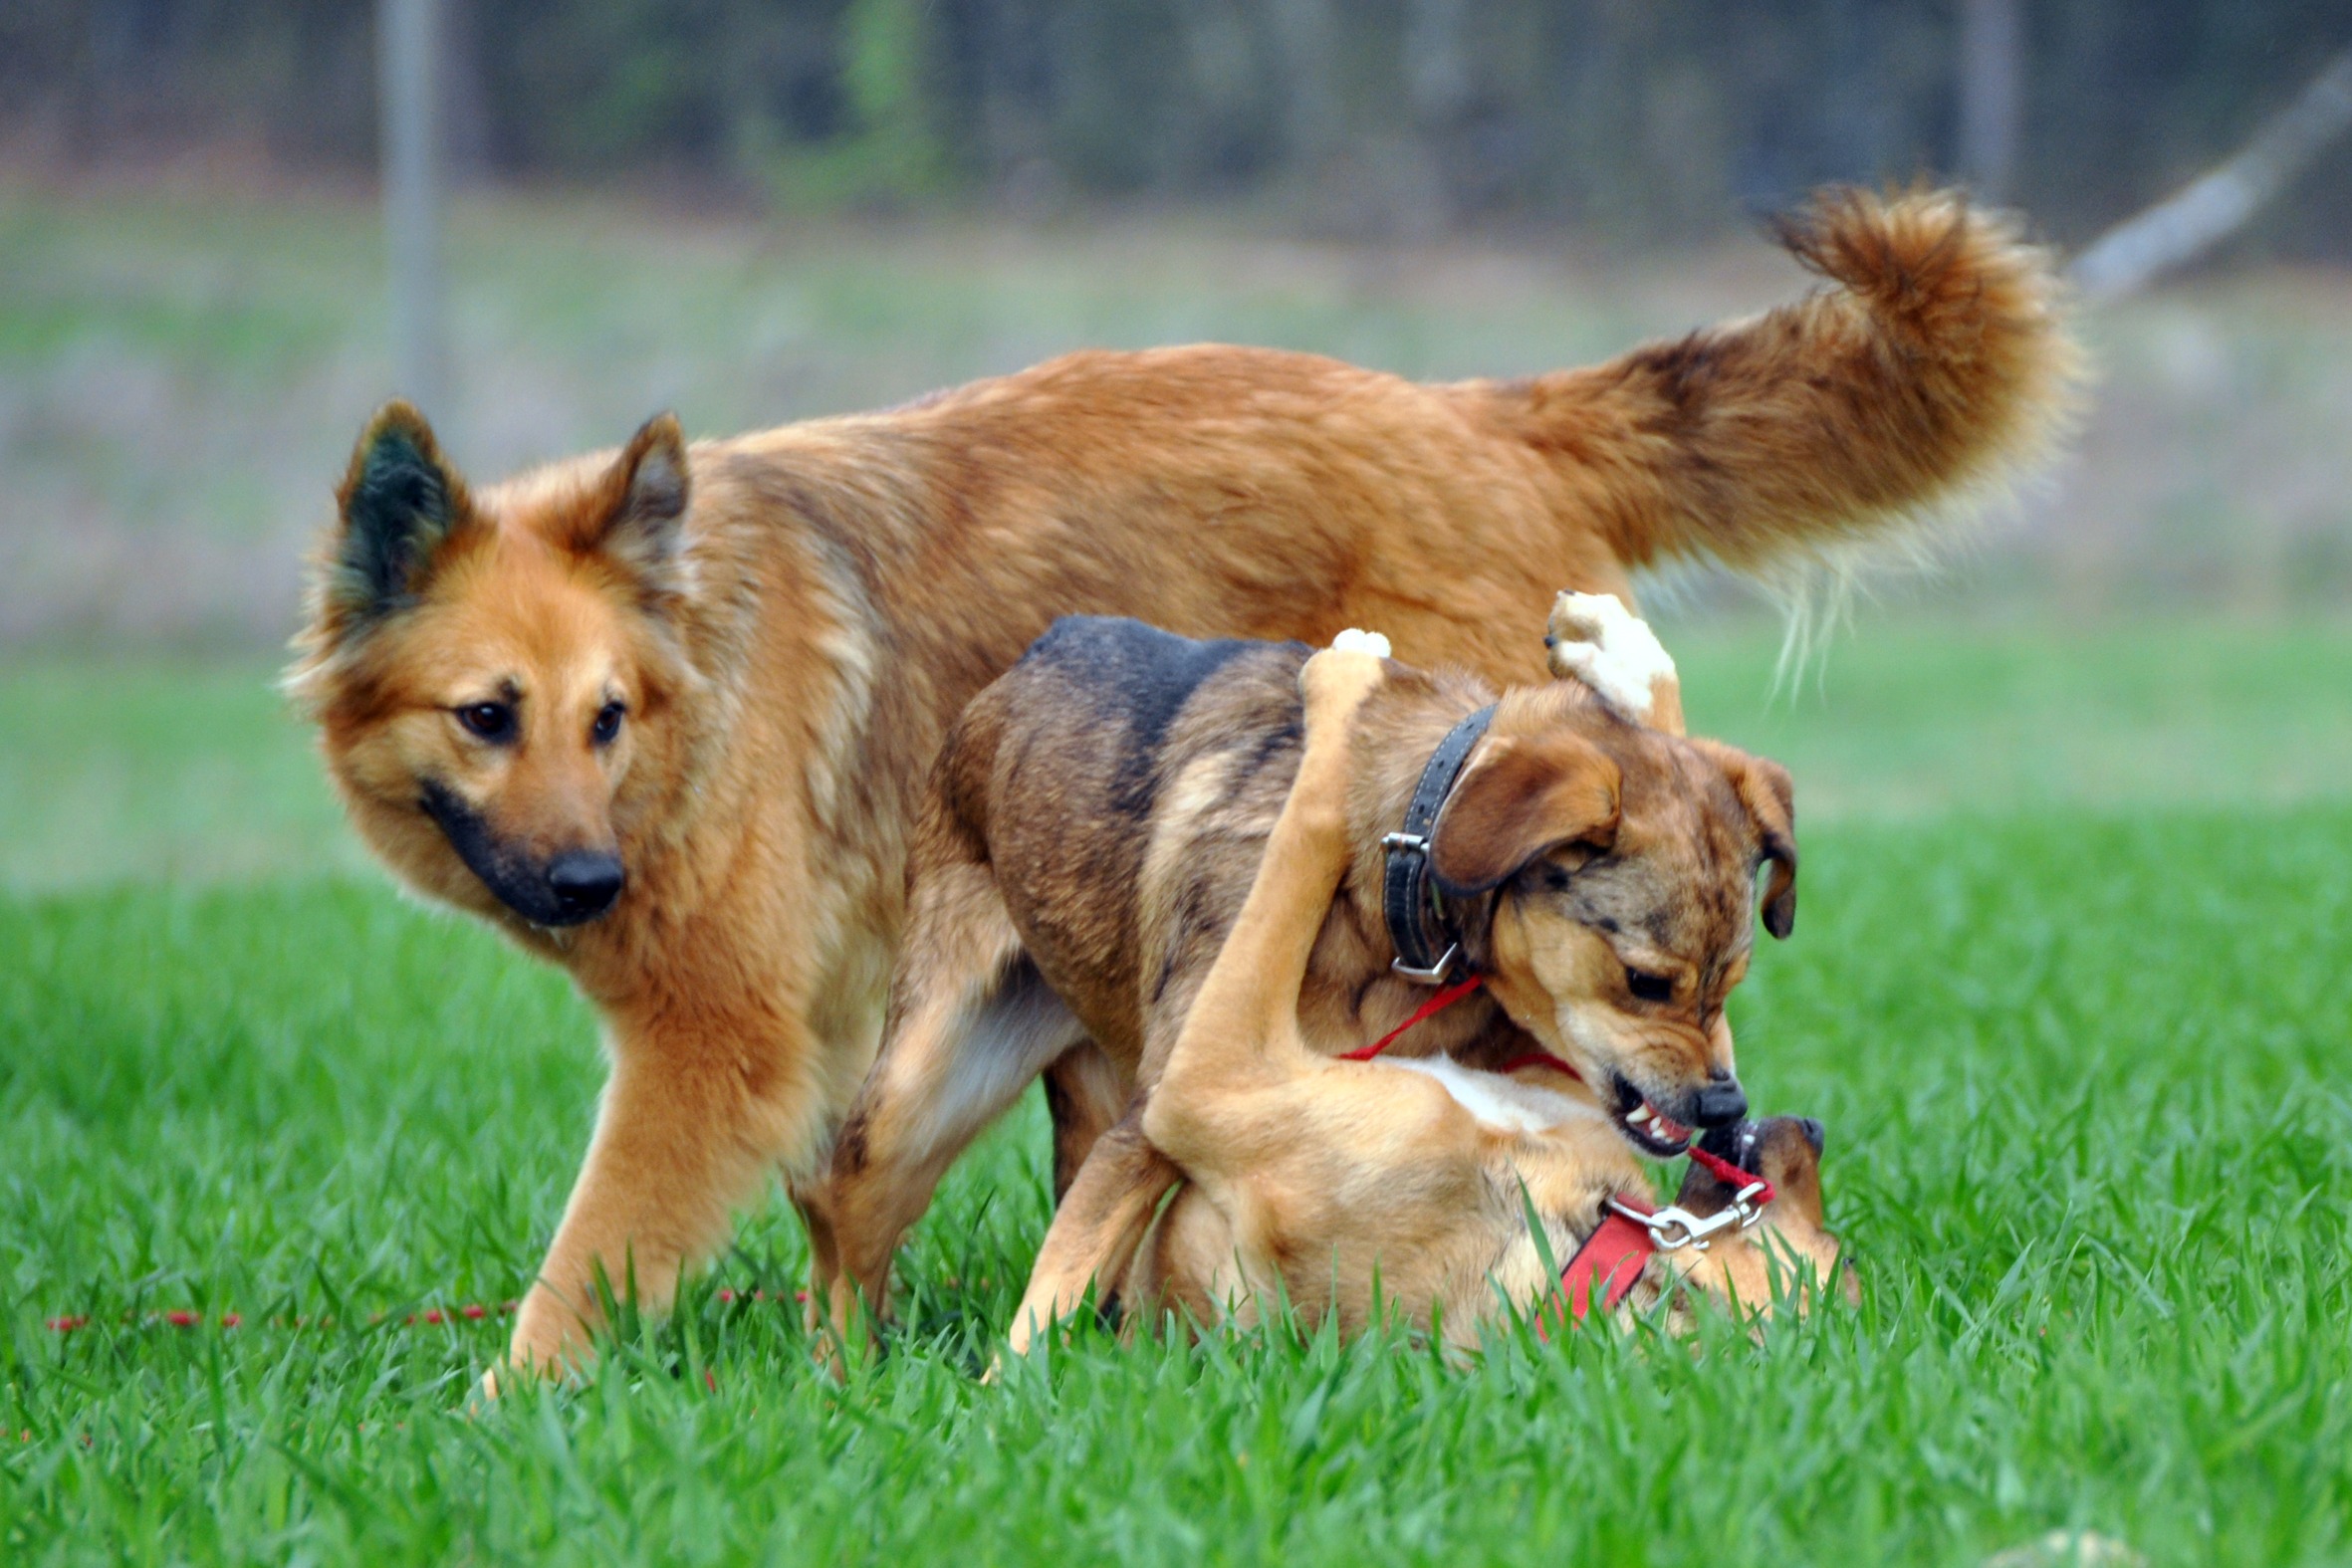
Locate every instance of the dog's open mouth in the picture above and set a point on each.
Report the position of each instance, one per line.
(1652, 1130)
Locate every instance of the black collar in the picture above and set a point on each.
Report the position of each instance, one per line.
(1427, 944)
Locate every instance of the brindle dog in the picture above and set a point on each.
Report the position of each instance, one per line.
(1094, 823)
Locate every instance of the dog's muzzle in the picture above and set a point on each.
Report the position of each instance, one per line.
(585, 883)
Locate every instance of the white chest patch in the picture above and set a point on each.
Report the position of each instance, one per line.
(1504, 1104)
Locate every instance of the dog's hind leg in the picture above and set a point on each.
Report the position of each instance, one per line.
(1096, 1229)
(1085, 1093)
(971, 1024)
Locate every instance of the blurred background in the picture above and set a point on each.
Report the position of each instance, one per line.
(760, 210)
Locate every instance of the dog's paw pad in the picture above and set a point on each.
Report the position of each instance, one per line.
(1354, 641)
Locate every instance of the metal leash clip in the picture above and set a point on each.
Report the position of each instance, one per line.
(1675, 1228)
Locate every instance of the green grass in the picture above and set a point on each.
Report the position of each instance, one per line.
(152, 772)
(2084, 1083)
(1911, 715)
(2077, 1028)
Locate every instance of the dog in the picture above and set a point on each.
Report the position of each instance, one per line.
(1333, 1187)
(663, 715)
(1098, 816)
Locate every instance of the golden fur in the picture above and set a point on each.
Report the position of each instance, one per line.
(788, 621)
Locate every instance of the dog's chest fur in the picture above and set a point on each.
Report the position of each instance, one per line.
(1501, 1104)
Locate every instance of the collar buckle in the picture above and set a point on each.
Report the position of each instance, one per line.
(1420, 927)
(1433, 974)
(1436, 973)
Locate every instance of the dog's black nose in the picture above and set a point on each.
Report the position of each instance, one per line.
(1813, 1133)
(1718, 1104)
(584, 881)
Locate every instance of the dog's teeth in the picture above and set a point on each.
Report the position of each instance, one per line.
(1636, 1117)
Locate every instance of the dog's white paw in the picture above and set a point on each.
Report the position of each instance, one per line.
(1335, 679)
(1600, 642)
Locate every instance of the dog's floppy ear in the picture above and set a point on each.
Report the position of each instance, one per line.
(636, 515)
(400, 502)
(1520, 797)
(1769, 796)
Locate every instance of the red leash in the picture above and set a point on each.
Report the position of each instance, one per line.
(1612, 1258)
(473, 1310)
(1539, 1059)
(1434, 1006)
(1731, 1176)
(1439, 1003)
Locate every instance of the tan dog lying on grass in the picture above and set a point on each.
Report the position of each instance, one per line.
(1335, 1186)
(1097, 820)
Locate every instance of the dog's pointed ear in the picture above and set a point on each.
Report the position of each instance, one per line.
(1769, 796)
(638, 517)
(400, 502)
(1520, 797)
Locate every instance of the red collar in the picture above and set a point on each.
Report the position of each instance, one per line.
(1621, 1246)
(1608, 1263)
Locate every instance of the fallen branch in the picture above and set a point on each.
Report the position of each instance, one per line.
(2183, 227)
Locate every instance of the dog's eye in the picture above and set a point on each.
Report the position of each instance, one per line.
(1649, 987)
(607, 723)
(492, 721)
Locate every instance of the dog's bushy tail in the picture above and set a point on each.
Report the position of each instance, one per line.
(1936, 370)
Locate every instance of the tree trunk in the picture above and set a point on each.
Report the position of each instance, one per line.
(410, 45)
(1312, 123)
(1436, 71)
(1992, 93)
(2183, 227)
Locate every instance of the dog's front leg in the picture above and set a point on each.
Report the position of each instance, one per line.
(968, 1030)
(682, 1135)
